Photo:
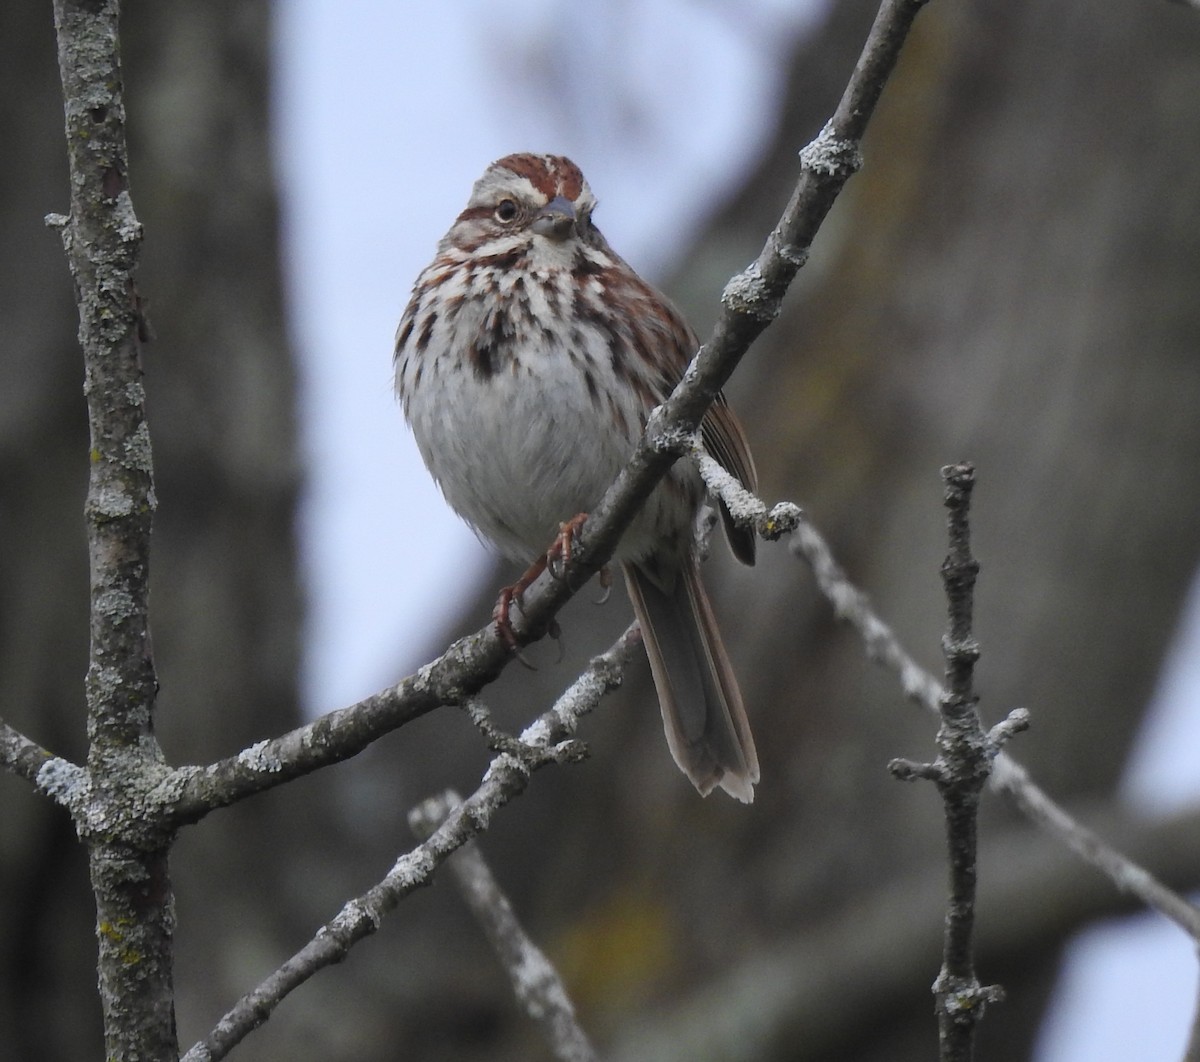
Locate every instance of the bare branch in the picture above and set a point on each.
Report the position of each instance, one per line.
(815, 986)
(64, 782)
(1008, 776)
(462, 670)
(745, 508)
(1011, 778)
(545, 740)
(536, 983)
(20, 755)
(750, 302)
(854, 607)
(127, 845)
(884, 647)
(961, 770)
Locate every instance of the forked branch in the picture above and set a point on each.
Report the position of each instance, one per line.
(545, 740)
(882, 646)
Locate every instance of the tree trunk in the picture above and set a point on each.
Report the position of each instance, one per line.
(225, 594)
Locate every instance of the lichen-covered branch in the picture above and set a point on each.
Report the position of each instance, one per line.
(545, 740)
(535, 982)
(751, 300)
(883, 647)
(127, 847)
(469, 664)
(961, 771)
(25, 758)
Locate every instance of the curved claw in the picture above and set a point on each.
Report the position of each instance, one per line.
(501, 616)
(555, 632)
(554, 560)
(558, 556)
(606, 583)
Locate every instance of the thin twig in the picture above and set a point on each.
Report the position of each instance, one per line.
(1011, 778)
(961, 770)
(536, 983)
(883, 647)
(965, 760)
(546, 740)
(1008, 776)
(23, 757)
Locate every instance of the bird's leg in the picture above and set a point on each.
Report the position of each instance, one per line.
(555, 559)
(558, 556)
(502, 613)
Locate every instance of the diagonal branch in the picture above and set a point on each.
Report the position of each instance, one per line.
(1011, 778)
(64, 782)
(883, 647)
(545, 740)
(462, 670)
(536, 983)
(1008, 776)
(22, 756)
(751, 301)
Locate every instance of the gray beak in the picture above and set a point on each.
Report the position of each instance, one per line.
(556, 220)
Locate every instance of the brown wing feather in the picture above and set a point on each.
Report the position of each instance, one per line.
(720, 430)
(726, 442)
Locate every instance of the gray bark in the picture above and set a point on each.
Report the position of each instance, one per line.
(225, 600)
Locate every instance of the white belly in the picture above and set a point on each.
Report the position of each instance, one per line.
(518, 452)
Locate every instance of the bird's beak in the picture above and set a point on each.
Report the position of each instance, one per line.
(556, 220)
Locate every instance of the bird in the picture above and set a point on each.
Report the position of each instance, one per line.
(527, 362)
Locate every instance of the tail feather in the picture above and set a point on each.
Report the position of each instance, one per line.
(703, 715)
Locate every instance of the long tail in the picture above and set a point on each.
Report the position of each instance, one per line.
(705, 721)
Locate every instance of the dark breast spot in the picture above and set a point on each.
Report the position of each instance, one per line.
(493, 346)
(483, 359)
(585, 266)
(427, 327)
(593, 390)
(405, 332)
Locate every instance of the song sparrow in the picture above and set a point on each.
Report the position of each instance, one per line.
(527, 362)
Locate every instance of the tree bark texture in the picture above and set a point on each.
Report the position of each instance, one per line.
(225, 601)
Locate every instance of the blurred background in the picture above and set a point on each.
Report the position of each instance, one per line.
(1012, 279)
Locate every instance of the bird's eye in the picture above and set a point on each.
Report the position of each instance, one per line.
(506, 210)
